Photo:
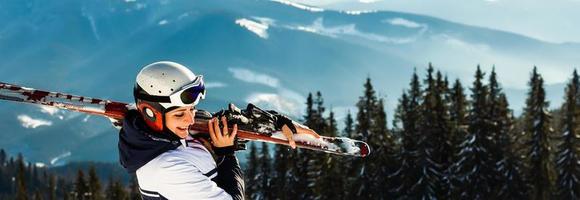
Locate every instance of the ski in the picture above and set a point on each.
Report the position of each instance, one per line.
(305, 137)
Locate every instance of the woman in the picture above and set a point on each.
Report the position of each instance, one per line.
(155, 142)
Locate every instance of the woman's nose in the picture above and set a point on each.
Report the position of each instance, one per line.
(190, 117)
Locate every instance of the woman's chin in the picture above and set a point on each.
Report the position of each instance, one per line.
(182, 135)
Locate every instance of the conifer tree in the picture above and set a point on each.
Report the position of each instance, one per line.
(21, 192)
(81, 187)
(115, 189)
(264, 173)
(511, 183)
(2, 157)
(134, 193)
(432, 128)
(330, 184)
(94, 185)
(457, 116)
(474, 166)
(350, 174)
(348, 125)
(52, 187)
(285, 173)
(367, 176)
(568, 156)
(409, 115)
(252, 182)
(537, 126)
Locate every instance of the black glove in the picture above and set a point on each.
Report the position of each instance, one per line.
(282, 120)
(271, 117)
(253, 119)
(234, 116)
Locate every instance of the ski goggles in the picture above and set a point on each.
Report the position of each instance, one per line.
(189, 94)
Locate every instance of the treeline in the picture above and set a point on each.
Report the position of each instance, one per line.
(443, 144)
(23, 181)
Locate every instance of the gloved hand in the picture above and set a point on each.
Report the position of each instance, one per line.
(257, 120)
(279, 121)
(269, 117)
(234, 116)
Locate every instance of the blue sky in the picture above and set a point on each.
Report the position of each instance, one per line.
(554, 21)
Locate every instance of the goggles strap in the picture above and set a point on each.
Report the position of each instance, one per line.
(153, 98)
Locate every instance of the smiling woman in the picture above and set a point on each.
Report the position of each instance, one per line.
(156, 145)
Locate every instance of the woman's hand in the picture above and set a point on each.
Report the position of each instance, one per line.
(221, 138)
(289, 135)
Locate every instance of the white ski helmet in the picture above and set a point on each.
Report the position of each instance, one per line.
(163, 86)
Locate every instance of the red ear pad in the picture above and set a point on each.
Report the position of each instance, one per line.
(152, 116)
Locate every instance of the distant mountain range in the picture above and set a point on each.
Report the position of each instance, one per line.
(267, 52)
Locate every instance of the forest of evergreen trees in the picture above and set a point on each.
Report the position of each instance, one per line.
(23, 181)
(444, 143)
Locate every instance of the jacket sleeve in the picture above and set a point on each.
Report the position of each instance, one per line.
(230, 177)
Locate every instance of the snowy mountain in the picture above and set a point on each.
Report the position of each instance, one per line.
(268, 52)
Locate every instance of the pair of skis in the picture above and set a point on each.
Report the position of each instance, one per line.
(305, 137)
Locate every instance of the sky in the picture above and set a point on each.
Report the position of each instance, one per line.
(556, 21)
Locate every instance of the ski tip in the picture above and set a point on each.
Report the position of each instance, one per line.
(365, 150)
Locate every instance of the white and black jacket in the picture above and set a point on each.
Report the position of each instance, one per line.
(170, 168)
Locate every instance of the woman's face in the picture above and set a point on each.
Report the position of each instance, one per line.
(178, 120)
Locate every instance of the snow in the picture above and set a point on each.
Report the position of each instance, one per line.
(349, 146)
(255, 27)
(57, 160)
(350, 30)
(358, 12)
(264, 127)
(29, 122)
(306, 29)
(301, 137)
(300, 6)
(39, 164)
(566, 133)
(536, 123)
(265, 20)
(403, 22)
(340, 144)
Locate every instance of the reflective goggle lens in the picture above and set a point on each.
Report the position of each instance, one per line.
(190, 95)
